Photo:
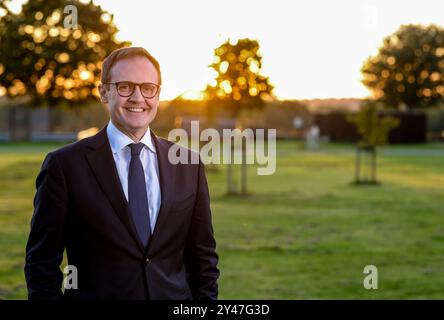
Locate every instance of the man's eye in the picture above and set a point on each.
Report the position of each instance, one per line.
(147, 88)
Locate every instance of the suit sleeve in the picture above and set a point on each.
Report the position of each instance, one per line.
(44, 250)
(200, 252)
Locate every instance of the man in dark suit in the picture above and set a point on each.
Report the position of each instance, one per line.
(134, 225)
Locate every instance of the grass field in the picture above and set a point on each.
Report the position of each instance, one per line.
(303, 233)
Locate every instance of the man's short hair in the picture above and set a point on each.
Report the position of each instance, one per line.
(124, 53)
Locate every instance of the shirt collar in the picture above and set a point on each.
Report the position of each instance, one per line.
(118, 140)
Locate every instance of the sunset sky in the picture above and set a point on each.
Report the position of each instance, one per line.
(311, 49)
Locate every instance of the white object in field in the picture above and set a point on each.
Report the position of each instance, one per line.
(312, 137)
(298, 122)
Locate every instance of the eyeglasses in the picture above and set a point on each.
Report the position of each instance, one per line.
(126, 88)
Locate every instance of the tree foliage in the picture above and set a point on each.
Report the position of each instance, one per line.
(45, 60)
(372, 128)
(408, 69)
(239, 83)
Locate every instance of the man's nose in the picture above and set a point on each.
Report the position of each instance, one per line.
(137, 95)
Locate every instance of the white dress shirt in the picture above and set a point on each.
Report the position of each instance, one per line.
(122, 157)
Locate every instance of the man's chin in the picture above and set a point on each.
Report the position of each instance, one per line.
(138, 128)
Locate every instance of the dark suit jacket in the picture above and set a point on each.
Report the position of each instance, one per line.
(80, 205)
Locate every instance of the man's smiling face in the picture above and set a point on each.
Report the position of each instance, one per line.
(131, 115)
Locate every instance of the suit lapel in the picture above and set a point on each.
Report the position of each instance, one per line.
(102, 164)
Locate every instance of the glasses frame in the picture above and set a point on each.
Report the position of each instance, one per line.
(134, 88)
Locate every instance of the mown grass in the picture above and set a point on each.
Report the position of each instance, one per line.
(303, 233)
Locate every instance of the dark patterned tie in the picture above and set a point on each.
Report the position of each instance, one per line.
(137, 197)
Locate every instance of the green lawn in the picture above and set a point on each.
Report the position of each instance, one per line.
(303, 233)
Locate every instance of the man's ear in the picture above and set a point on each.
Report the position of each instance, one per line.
(103, 93)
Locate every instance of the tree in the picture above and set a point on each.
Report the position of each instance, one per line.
(374, 131)
(408, 69)
(47, 58)
(239, 84)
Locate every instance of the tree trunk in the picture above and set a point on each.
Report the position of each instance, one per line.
(358, 165)
(12, 128)
(374, 165)
(231, 187)
(244, 171)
